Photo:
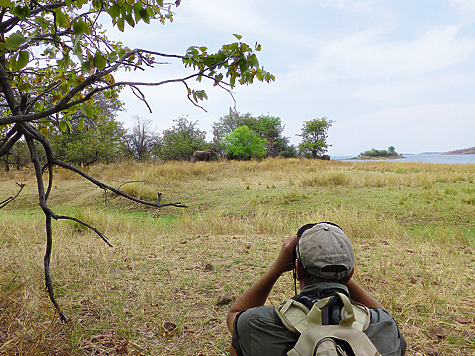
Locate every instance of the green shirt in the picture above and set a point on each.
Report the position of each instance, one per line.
(259, 331)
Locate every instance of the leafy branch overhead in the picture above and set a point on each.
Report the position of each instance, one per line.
(57, 65)
(59, 57)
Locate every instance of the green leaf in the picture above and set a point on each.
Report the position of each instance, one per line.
(67, 60)
(63, 126)
(130, 20)
(99, 61)
(64, 88)
(137, 7)
(62, 19)
(85, 67)
(238, 36)
(120, 24)
(114, 10)
(113, 57)
(89, 111)
(5, 3)
(144, 15)
(80, 27)
(15, 40)
(23, 58)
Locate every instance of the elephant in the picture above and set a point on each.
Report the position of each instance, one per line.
(326, 157)
(205, 155)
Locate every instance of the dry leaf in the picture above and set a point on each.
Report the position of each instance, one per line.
(431, 352)
(168, 325)
(224, 301)
(463, 320)
(439, 332)
(209, 267)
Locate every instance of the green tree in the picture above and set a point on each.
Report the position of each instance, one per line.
(390, 152)
(314, 137)
(89, 140)
(267, 127)
(103, 142)
(180, 141)
(243, 143)
(270, 128)
(55, 57)
(230, 122)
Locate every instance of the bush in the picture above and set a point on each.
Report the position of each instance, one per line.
(243, 143)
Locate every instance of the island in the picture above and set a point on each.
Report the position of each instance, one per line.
(390, 153)
(464, 151)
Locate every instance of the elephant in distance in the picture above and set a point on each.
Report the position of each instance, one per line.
(206, 156)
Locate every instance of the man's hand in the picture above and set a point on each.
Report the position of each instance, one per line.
(256, 295)
(285, 259)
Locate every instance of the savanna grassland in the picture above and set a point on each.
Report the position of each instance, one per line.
(165, 286)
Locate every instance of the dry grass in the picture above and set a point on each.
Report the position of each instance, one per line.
(165, 286)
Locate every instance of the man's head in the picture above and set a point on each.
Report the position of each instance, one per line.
(324, 253)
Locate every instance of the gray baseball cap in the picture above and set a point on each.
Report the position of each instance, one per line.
(325, 245)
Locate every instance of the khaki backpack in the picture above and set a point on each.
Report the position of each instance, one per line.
(317, 339)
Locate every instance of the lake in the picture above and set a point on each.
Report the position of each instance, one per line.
(426, 158)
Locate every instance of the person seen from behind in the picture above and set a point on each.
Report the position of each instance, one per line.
(323, 261)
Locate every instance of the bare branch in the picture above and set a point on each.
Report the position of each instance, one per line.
(131, 181)
(138, 93)
(8, 142)
(10, 199)
(112, 189)
(101, 235)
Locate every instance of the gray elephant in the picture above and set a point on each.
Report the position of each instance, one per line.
(206, 156)
(326, 157)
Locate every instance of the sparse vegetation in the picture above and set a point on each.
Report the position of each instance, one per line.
(165, 286)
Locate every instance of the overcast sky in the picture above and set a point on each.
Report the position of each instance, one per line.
(398, 73)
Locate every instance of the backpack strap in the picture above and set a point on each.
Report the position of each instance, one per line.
(297, 317)
(293, 315)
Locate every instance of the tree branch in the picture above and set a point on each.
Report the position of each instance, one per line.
(8, 142)
(112, 189)
(10, 199)
(101, 235)
(49, 233)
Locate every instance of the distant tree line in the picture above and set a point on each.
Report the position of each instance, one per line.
(235, 136)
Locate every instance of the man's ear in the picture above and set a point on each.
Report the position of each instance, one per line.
(299, 269)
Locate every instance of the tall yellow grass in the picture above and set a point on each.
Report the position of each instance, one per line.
(163, 288)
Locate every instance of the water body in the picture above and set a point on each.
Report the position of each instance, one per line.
(425, 158)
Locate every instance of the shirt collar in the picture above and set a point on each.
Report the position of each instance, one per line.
(320, 287)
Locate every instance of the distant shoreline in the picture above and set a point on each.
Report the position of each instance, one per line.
(366, 158)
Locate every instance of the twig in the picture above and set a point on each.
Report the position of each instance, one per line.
(101, 235)
(10, 199)
(131, 181)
